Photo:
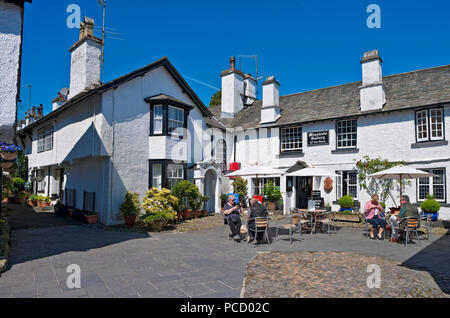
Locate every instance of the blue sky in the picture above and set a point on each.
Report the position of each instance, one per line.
(306, 44)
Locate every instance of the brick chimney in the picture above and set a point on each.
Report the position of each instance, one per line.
(85, 59)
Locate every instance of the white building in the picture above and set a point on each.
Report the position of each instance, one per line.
(127, 135)
(144, 129)
(11, 25)
(403, 117)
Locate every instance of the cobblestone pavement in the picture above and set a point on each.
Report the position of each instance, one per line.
(194, 264)
(333, 275)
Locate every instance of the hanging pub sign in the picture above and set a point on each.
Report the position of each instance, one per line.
(318, 138)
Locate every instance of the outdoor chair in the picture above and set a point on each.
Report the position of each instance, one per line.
(328, 219)
(411, 226)
(295, 224)
(368, 226)
(308, 221)
(261, 226)
(427, 220)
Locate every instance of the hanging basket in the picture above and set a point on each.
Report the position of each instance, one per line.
(8, 155)
(6, 165)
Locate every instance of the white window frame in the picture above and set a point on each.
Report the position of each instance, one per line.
(157, 178)
(340, 184)
(158, 116)
(437, 121)
(345, 133)
(262, 182)
(431, 183)
(179, 123)
(291, 138)
(175, 173)
(430, 123)
(45, 139)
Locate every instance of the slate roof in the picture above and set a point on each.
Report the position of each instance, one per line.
(406, 90)
(123, 79)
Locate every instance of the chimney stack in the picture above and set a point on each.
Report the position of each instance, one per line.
(270, 110)
(232, 90)
(85, 59)
(372, 92)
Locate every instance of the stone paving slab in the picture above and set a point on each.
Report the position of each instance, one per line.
(193, 264)
(333, 275)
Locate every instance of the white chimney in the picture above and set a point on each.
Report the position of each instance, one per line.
(249, 90)
(270, 110)
(372, 92)
(86, 59)
(61, 99)
(232, 91)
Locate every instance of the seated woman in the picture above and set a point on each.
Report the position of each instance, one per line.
(232, 212)
(372, 211)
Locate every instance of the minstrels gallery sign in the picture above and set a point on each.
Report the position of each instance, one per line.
(318, 138)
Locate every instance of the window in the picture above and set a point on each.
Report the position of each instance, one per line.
(40, 181)
(158, 119)
(157, 176)
(346, 133)
(45, 139)
(258, 188)
(433, 185)
(430, 124)
(175, 174)
(347, 183)
(221, 153)
(291, 139)
(176, 121)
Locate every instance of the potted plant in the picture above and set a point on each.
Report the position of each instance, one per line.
(346, 203)
(32, 200)
(159, 206)
(273, 195)
(90, 217)
(23, 196)
(181, 192)
(9, 152)
(130, 208)
(240, 187)
(196, 200)
(43, 202)
(431, 207)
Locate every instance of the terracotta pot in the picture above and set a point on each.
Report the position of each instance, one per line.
(6, 165)
(179, 216)
(272, 206)
(8, 155)
(204, 213)
(186, 214)
(197, 214)
(130, 220)
(91, 219)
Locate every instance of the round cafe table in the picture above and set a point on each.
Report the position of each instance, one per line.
(316, 215)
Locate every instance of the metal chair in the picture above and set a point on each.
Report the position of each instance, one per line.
(295, 223)
(427, 221)
(412, 225)
(368, 226)
(261, 226)
(328, 219)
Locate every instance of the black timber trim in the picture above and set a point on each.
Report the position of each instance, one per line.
(163, 163)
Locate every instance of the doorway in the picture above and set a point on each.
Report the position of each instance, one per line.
(210, 191)
(304, 191)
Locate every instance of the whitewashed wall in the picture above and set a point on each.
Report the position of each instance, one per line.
(10, 39)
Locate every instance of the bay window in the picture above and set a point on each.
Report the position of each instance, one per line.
(175, 121)
(168, 117)
(158, 119)
(165, 173)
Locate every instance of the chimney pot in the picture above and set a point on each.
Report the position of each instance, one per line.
(232, 63)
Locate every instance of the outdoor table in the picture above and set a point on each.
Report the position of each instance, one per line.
(316, 215)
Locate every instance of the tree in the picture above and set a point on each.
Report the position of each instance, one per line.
(384, 188)
(240, 187)
(21, 167)
(216, 99)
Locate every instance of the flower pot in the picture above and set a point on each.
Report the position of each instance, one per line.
(204, 213)
(434, 217)
(197, 213)
(186, 214)
(346, 210)
(8, 155)
(130, 220)
(158, 225)
(22, 200)
(272, 206)
(91, 218)
(6, 165)
(179, 216)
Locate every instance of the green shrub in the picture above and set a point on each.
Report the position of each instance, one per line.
(181, 192)
(131, 206)
(33, 197)
(157, 200)
(430, 205)
(383, 205)
(195, 198)
(18, 184)
(346, 202)
(272, 192)
(165, 214)
(240, 187)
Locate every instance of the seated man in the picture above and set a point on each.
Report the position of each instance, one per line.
(232, 212)
(256, 210)
(407, 211)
